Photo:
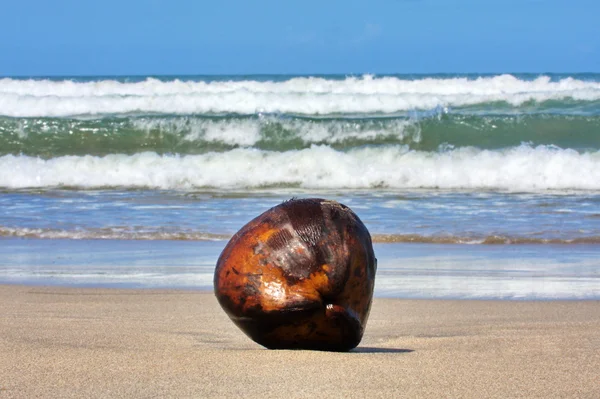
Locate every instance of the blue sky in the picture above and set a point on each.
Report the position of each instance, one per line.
(65, 37)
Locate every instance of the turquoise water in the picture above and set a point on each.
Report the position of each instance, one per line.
(193, 135)
(479, 164)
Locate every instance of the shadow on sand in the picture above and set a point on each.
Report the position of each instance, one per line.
(369, 349)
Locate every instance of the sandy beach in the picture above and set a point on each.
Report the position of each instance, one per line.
(73, 342)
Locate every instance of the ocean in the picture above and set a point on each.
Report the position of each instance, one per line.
(472, 186)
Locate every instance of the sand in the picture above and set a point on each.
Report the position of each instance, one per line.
(70, 342)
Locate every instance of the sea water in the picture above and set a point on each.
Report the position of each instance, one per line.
(472, 186)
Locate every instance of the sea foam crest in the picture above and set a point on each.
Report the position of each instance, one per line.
(301, 95)
(248, 132)
(116, 233)
(523, 168)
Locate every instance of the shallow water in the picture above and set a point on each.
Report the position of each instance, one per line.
(391, 216)
(404, 270)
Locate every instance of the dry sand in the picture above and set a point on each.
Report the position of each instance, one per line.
(65, 342)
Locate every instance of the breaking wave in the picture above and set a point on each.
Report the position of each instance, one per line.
(298, 95)
(523, 168)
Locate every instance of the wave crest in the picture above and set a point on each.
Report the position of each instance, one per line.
(522, 168)
(300, 95)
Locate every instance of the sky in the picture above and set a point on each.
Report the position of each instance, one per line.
(171, 37)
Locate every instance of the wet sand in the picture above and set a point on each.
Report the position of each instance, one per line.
(76, 342)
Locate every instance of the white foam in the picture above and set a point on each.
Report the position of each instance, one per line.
(303, 95)
(247, 132)
(110, 233)
(522, 168)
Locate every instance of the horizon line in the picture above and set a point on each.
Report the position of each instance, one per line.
(262, 74)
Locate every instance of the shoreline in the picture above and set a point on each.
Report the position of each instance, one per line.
(109, 342)
(444, 271)
(209, 291)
